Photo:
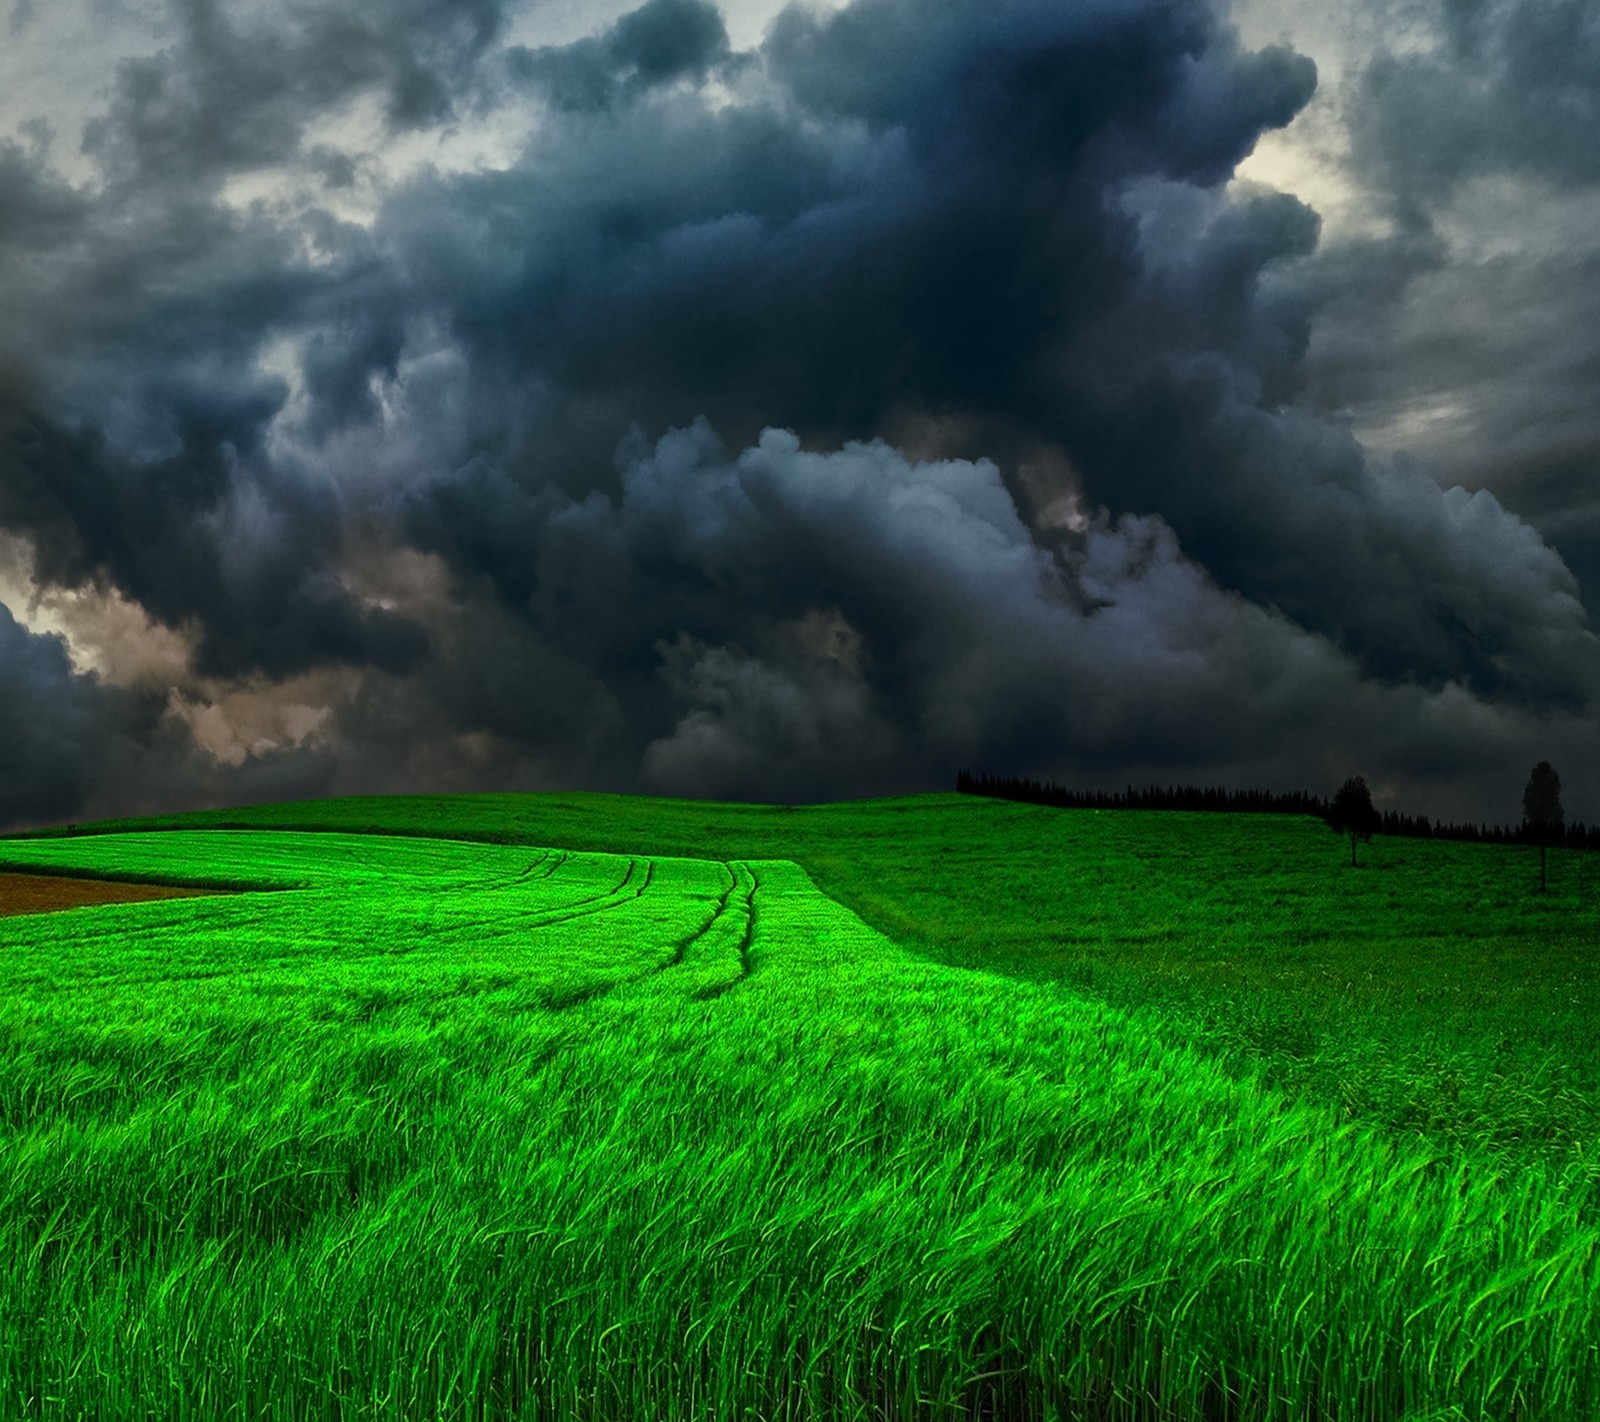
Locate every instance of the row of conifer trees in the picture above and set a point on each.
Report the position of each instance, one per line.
(1296, 802)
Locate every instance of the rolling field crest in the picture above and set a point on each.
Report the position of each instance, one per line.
(412, 1127)
(555, 926)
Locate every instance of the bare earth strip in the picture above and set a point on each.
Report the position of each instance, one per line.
(45, 893)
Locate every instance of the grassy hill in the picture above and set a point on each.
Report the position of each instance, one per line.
(582, 1105)
(1433, 989)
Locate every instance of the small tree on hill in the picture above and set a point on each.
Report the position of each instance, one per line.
(1351, 813)
(1542, 815)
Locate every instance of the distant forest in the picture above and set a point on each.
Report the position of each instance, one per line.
(1261, 802)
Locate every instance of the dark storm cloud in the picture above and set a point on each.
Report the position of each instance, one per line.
(659, 43)
(912, 392)
(1417, 583)
(175, 534)
(1042, 88)
(343, 361)
(928, 234)
(237, 90)
(956, 230)
(37, 210)
(1514, 88)
(1473, 332)
(51, 731)
(135, 452)
(786, 624)
(793, 625)
(72, 747)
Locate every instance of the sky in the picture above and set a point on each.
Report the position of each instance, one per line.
(799, 402)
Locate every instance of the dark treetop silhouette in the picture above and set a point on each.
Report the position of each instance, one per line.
(1351, 813)
(1577, 835)
(1542, 815)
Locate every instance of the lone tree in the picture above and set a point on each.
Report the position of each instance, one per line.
(1351, 813)
(1542, 815)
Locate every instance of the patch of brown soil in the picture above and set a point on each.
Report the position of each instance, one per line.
(44, 893)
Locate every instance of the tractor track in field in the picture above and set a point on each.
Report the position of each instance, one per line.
(506, 925)
(381, 866)
(611, 898)
(715, 990)
(616, 896)
(589, 992)
(681, 948)
(543, 855)
(614, 890)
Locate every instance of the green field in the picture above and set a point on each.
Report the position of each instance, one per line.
(612, 1108)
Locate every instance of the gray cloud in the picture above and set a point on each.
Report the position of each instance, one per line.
(1509, 90)
(661, 42)
(73, 747)
(237, 89)
(789, 623)
(50, 727)
(37, 210)
(677, 261)
(916, 390)
(1468, 334)
(210, 534)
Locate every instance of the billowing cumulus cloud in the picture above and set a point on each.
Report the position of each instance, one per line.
(662, 42)
(446, 400)
(71, 745)
(53, 730)
(1462, 326)
(789, 623)
(207, 533)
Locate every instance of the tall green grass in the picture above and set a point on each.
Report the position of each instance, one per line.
(1433, 991)
(424, 1129)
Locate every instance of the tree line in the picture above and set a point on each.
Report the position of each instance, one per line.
(1154, 797)
(1549, 831)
